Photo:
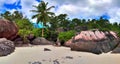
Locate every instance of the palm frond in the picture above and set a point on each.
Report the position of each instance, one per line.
(46, 4)
(38, 19)
(34, 11)
(34, 6)
(43, 4)
(50, 8)
(50, 13)
(34, 16)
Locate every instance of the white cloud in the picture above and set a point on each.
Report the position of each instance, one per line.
(115, 15)
(27, 6)
(75, 8)
(88, 8)
(10, 1)
(1, 3)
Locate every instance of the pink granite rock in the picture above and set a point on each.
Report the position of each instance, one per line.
(94, 41)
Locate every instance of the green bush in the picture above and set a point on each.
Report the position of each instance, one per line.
(118, 34)
(23, 32)
(37, 32)
(24, 24)
(65, 36)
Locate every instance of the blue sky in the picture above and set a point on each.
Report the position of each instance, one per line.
(87, 9)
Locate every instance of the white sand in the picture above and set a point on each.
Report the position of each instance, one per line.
(29, 55)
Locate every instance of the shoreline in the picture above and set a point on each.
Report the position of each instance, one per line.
(63, 55)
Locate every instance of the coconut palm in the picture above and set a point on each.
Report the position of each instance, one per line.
(42, 13)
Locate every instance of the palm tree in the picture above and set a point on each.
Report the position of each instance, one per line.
(42, 13)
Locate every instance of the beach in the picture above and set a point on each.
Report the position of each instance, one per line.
(56, 55)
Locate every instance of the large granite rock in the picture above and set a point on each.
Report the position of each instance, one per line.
(8, 29)
(6, 47)
(41, 41)
(94, 41)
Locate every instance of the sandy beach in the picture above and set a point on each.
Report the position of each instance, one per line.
(57, 55)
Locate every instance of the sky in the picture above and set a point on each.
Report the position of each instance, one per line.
(88, 9)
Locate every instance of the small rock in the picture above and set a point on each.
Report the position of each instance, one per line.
(46, 49)
(35, 62)
(56, 61)
(43, 60)
(69, 57)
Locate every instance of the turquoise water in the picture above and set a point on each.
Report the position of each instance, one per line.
(39, 25)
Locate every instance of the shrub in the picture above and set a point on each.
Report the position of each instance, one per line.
(37, 32)
(52, 36)
(24, 32)
(118, 34)
(65, 36)
(24, 24)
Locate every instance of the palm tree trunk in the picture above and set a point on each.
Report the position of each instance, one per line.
(42, 32)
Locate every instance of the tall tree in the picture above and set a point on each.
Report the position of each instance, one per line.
(76, 21)
(17, 15)
(7, 15)
(63, 20)
(42, 13)
(54, 23)
(12, 16)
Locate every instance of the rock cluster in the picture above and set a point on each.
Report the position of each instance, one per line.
(30, 39)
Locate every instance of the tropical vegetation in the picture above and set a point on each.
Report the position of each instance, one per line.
(42, 13)
(60, 25)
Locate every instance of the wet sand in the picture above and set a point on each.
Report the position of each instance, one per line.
(57, 55)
